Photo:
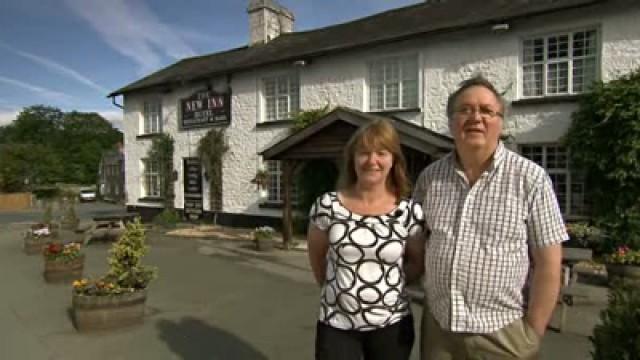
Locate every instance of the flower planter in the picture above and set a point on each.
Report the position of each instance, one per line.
(91, 312)
(35, 244)
(264, 243)
(56, 271)
(626, 273)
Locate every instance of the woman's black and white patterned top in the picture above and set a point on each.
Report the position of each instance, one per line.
(364, 286)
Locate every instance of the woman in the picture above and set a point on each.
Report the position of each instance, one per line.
(365, 242)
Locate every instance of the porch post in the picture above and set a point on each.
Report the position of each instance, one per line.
(287, 219)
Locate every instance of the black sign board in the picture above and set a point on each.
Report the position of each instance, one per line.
(205, 108)
(192, 188)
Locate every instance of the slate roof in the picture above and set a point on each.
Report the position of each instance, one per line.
(393, 25)
(413, 136)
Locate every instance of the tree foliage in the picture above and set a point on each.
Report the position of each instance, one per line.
(604, 138)
(125, 258)
(45, 145)
(618, 334)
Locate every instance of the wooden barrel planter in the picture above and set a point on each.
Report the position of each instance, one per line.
(108, 312)
(35, 244)
(56, 271)
(264, 243)
(629, 274)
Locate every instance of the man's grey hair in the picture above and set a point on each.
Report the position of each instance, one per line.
(477, 80)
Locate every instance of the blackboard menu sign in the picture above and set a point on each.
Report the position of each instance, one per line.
(193, 188)
(205, 108)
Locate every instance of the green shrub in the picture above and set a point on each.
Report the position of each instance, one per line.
(168, 218)
(618, 336)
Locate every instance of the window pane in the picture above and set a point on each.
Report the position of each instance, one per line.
(558, 47)
(283, 85)
(269, 87)
(377, 74)
(560, 187)
(283, 107)
(392, 71)
(578, 204)
(533, 50)
(410, 94)
(532, 80)
(271, 108)
(557, 78)
(391, 96)
(376, 94)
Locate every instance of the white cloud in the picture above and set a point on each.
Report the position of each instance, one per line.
(7, 116)
(50, 94)
(58, 68)
(132, 29)
(114, 117)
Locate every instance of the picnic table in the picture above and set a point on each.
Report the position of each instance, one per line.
(109, 225)
(570, 289)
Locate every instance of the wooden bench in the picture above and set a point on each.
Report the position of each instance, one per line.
(109, 225)
(570, 289)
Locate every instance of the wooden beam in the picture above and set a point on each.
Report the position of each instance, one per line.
(287, 219)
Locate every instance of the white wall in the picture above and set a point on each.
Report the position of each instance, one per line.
(341, 80)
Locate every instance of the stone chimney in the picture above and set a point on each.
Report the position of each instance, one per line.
(267, 20)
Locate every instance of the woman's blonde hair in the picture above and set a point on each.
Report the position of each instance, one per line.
(378, 135)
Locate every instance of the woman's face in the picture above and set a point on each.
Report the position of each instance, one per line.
(372, 166)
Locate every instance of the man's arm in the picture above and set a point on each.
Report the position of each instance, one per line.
(414, 257)
(545, 286)
(318, 245)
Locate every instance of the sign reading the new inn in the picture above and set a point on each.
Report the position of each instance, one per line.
(205, 108)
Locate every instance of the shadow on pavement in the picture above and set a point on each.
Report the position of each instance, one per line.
(193, 339)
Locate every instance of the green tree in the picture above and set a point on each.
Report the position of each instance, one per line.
(604, 138)
(78, 138)
(25, 165)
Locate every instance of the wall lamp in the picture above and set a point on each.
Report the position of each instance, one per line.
(498, 28)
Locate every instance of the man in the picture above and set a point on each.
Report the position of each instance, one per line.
(491, 217)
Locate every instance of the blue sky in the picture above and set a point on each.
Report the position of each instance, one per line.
(71, 53)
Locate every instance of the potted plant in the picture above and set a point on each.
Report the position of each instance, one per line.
(263, 238)
(62, 262)
(118, 298)
(624, 265)
(617, 336)
(38, 236)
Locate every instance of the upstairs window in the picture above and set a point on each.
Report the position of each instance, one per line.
(152, 117)
(559, 64)
(393, 83)
(281, 97)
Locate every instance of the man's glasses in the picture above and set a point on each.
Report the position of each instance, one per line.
(484, 111)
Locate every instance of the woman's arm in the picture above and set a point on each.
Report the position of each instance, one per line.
(318, 244)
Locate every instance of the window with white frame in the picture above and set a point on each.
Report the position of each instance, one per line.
(276, 183)
(559, 64)
(393, 83)
(152, 117)
(151, 180)
(281, 96)
(568, 185)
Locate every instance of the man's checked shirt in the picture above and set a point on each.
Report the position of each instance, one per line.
(477, 253)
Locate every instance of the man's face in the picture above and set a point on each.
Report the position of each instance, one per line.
(476, 122)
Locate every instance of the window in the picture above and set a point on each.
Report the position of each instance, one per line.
(559, 64)
(152, 117)
(151, 179)
(568, 185)
(393, 83)
(281, 97)
(276, 183)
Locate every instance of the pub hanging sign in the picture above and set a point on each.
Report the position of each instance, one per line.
(205, 108)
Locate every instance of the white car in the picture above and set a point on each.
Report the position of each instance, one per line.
(87, 195)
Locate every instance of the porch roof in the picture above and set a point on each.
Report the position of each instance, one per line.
(327, 137)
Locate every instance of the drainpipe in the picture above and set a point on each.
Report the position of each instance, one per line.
(113, 101)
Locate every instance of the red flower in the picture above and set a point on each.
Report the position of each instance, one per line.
(54, 248)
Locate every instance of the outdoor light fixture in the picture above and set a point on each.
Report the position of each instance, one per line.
(301, 63)
(502, 27)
